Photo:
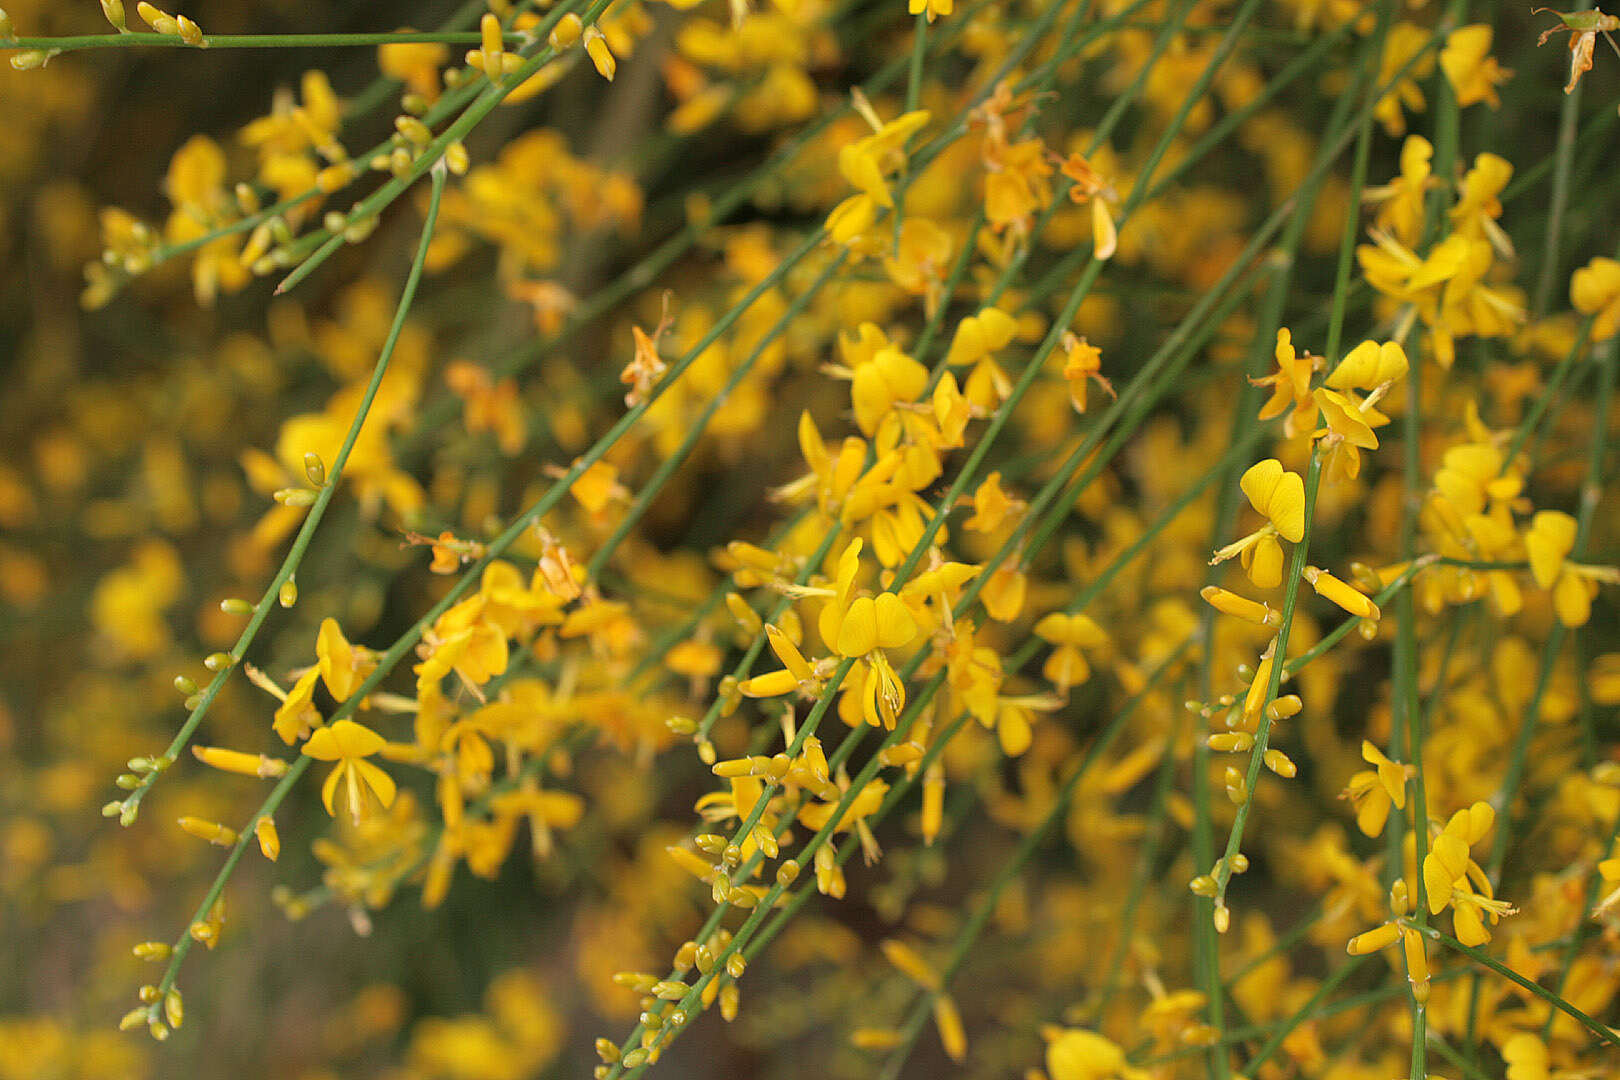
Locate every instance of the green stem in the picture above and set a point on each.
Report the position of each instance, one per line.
(312, 521)
(1484, 959)
(1569, 112)
(279, 792)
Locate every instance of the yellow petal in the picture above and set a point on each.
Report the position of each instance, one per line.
(336, 657)
(858, 632)
(330, 787)
(895, 624)
(380, 783)
(1469, 926)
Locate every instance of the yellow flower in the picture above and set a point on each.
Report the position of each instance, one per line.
(297, 713)
(1077, 1054)
(1595, 290)
(1400, 202)
(1290, 386)
(602, 58)
(979, 336)
(1067, 665)
(864, 164)
(349, 744)
(342, 666)
(920, 260)
(1451, 878)
(1369, 365)
(1417, 958)
(875, 386)
(1349, 431)
(415, 63)
(1526, 1057)
(933, 8)
(1469, 67)
(1404, 42)
(1279, 496)
(1341, 593)
(1479, 203)
(1089, 186)
(1373, 791)
(1548, 542)
(991, 506)
(1082, 363)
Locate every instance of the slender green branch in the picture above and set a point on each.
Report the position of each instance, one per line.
(407, 295)
(1484, 959)
(312, 520)
(1569, 112)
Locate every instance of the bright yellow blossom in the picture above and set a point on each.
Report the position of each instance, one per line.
(349, 744)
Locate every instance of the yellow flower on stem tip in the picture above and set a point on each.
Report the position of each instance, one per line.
(1290, 386)
(933, 8)
(349, 744)
(1583, 27)
(1373, 791)
(1279, 496)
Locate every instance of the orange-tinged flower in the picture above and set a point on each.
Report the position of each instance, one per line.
(1090, 186)
(1082, 364)
(1583, 27)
